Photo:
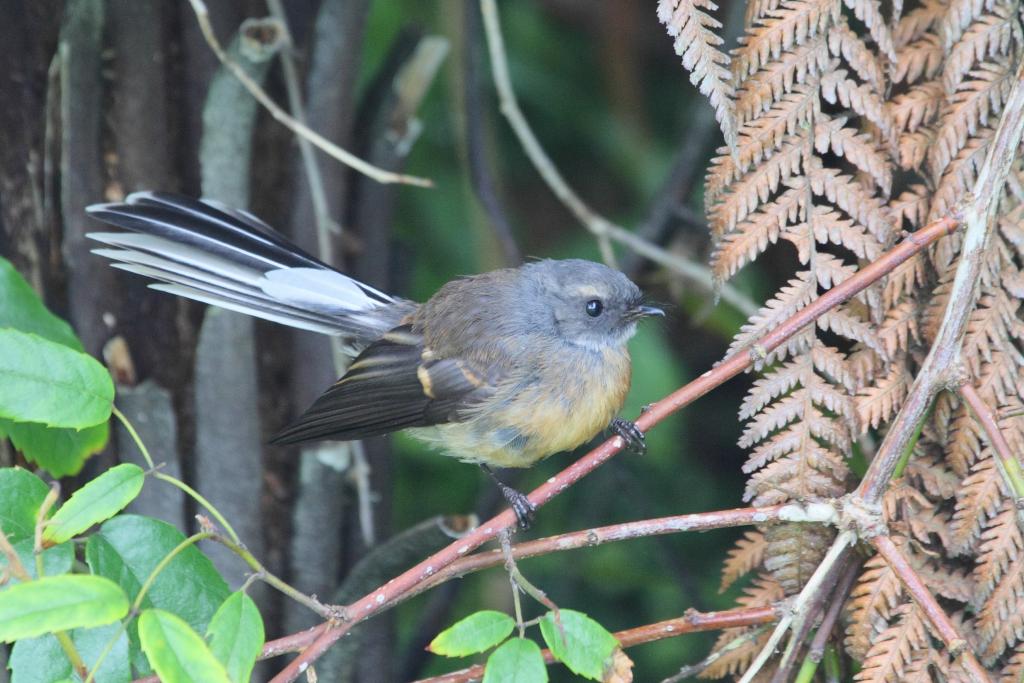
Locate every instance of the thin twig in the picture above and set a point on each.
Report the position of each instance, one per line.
(594, 222)
(325, 225)
(955, 643)
(816, 650)
(279, 114)
(1008, 464)
(828, 622)
(693, 670)
(477, 148)
(63, 637)
(797, 613)
(408, 582)
(261, 573)
(691, 622)
(803, 623)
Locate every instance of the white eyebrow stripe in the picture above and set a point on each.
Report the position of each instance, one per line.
(587, 290)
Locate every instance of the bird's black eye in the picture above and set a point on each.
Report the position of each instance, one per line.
(594, 308)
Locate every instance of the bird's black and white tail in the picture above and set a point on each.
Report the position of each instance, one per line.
(229, 258)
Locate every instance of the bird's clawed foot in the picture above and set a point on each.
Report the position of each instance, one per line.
(517, 500)
(631, 434)
(521, 505)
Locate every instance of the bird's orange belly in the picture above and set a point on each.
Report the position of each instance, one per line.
(536, 421)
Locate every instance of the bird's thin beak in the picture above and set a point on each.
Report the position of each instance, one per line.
(643, 311)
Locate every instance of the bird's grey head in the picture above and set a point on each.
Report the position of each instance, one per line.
(585, 303)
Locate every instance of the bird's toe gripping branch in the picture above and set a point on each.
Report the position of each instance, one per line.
(631, 434)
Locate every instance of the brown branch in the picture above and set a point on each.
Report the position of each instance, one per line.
(702, 521)
(691, 622)
(401, 586)
(954, 642)
(1008, 464)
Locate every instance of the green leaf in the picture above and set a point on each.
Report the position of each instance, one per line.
(61, 452)
(476, 633)
(56, 560)
(587, 646)
(22, 309)
(42, 381)
(21, 494)
(126, 548)
(100, 499)
(517, 661)
(176, 652)
(236, 636)
(59, 603)
(42, 660)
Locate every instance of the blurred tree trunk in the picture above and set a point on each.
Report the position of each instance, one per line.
(108, 97)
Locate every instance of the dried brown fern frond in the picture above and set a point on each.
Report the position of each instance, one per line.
(917, 107)
(801, 65)
(872, 601)
(974, 104)
(1013, 672)
(791, 23)
(988, 37)
(794, 553)
(746, 555)
(892, 651)
(855, 123)
(865, 62)
(858, 148)
(1000, 620)
(697, 43)
(838, 88)
(920, 60)
(878, 403)
(917, 22)
(738, 199)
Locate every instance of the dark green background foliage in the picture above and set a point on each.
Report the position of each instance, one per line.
(609, 101)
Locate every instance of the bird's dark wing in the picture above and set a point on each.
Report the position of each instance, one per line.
(393, 384)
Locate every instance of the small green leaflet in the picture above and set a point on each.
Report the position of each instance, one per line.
(176, 652)
(477, 632)
(587, 646)
(99, 500)
(42, 381)
(236, 636)
(59, 603)
(517, 661)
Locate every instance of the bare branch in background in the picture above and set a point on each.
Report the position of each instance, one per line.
(325, 224)
(477, 148)
(279, 114)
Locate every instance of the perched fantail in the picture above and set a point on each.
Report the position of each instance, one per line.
(502, 369)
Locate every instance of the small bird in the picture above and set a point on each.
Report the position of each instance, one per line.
(502, 369)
